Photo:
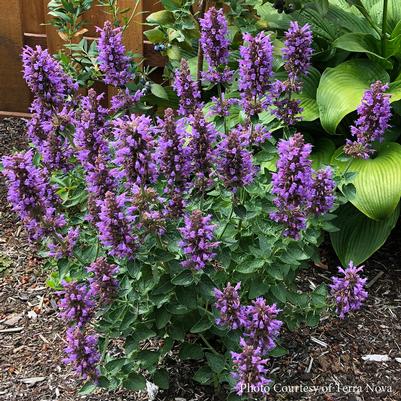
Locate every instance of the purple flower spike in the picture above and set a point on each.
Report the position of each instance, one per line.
(234, 163)
(114, 226)
(262, 328)
(255, 72)
(77, 304)
(82, 353)
(65, 247)
(203, 155)
(113, 62)
(323, 191)
(215, 45)
(174, 160)
(221, 106)
(124, 100)
(228, 303)
(91, 129)
(197, 240)
(293, 185)
(133, 151)
(103, 283)
(31, 195)
(374, 114)
(187, 90)
(250, 370)
(348, 291)
(297, 51)
(45, 76)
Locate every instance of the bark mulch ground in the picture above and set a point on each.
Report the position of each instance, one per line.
(326, 363)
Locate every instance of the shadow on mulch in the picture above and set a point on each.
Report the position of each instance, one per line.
(323, 363)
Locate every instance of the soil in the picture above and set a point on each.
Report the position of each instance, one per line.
(325, 363)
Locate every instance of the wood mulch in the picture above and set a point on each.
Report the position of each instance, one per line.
(326, 363)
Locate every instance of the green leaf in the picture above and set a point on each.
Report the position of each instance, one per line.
(134, 381)
(322, 152)
(87, 388)
(161, 378)
(216, 362)
(202, 325)
(203, 375)
(191, 351)
(148, 358)
(155, 35)
(341, 89)
(162, 17)
(359, 237)
(359, 42)
(278, 352)
(162, 318)
(308, 95)
(377, 182)
(184, 278)
(159, 91)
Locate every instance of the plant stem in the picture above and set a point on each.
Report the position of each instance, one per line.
(227, 223)
(208, 344)
(221, 101)
(202, 9)
(384, 27)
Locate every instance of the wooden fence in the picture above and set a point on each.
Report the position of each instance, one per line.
(22, 22)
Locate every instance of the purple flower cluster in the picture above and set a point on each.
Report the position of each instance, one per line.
(255, 71)
(249, 369)
(173, 160)
(298, 190)
(103, 283)
(147, 206)
(323, 191)
(197, 240)
(82, 353)
(187, 90)
(77, 303)
(51, 110)
(113, 62)
(133, 150)
(31, 195)
(374, 114)
(348, 291)
(91, 129)
(114, 226)
(292, 185)
(98, 182)
(64, 247)
(297, 53)
(124, 100)
(228, 303)
(203, 137)
(221, 106)
(215, 45)
(261, 328)
(45, 76)
(234, 163)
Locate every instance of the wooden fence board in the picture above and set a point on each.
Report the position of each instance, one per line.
(14, 95)
(22, 22)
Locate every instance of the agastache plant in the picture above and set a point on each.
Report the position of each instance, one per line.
(374, 113)
(31, 195)
(113, 61)
(255, 72)
(103, 282)
(297, 53)
(299, 190)
(187, 90)
(215, 44)
(173, 160)
(348, 291)
(197, 240)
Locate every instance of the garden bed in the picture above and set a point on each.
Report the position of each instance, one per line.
(32, 338)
